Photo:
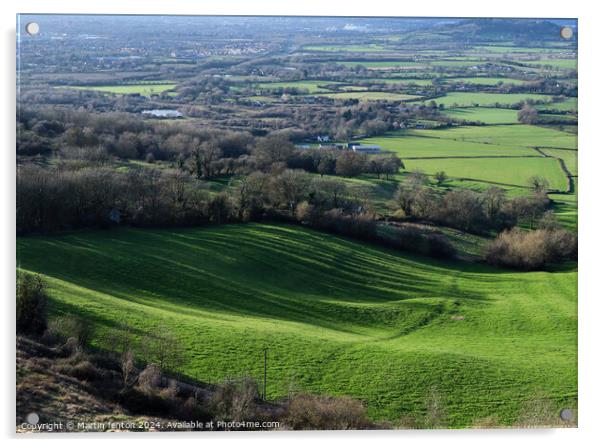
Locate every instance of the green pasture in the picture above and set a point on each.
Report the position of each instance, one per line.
(564, 64)
(398, 81)
(565, 207)
(368, 48)
(337, 317)
(569, 104)
(487, 99)
(569, 157)
(371, 96)
(144, 89)
(310, 86)
(414, 145)
(511, 135)
(383, 64)
(509, 171)
(486, 115)
(482, 80)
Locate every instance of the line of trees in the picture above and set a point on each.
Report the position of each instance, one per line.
(467, 210)
(81, 137)
(531, 250)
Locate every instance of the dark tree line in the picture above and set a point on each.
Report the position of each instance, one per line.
(467, 210)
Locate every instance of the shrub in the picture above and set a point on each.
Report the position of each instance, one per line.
(423, 240)
(32, 304)
(531, 250)
(235, 400)
(308, 412)
(150, 379)
(71, 327)
(304, 212)
(139, 402)
(355, 225)
(85, 370)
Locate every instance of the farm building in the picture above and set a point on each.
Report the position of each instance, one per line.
(366, 148)
(157, 113)
(331, 146)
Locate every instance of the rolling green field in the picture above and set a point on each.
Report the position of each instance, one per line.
(565, 207)
(456, 62)
(523, 135)
(369, 48)
(511, 171)
(509, 49)
(569, 157)
(384, 64)
(310, 86)
(371, 96)
(568, 119)
(425, 146)
(144, 89)
(555, 63)
(487, 99)
(338, 317)
(396, 81)
(487, 115)
(569, 104)
(487, 81)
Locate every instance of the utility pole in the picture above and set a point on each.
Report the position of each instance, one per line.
(265, 372)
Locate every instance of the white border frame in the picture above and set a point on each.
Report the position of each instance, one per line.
(590, 309)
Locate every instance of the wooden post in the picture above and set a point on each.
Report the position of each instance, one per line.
(265, 372)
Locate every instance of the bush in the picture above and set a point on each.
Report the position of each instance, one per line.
(139, 402)
(307, 412)
(85, 370)
(304, 212)
(71, 327)
(32, 304)
(530, 250)
(422, 240)
(235, 400)
(150, 379)
(355, 225)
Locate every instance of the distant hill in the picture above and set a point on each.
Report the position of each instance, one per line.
(515, 30)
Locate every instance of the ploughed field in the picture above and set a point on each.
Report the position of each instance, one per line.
(339, 317)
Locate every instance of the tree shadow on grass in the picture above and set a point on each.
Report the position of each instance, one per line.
(263, 271)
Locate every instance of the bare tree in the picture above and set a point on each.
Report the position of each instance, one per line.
(290, 187)
(440, 177)
(273, 149)
(539, 184)
(528, 115)
(163, 349)
(351, 164)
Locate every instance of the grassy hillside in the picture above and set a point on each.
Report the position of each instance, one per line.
(338, 317)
